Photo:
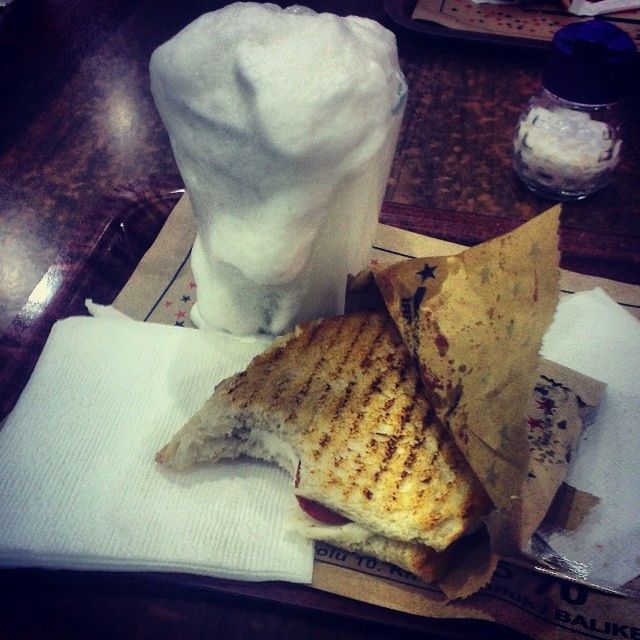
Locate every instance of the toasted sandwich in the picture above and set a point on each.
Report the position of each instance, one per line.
(338, 403)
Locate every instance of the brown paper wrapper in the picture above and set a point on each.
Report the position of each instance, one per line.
(475, 322)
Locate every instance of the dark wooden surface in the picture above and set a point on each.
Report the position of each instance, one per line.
(86, 176)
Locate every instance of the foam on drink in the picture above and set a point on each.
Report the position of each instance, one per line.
(283, 123)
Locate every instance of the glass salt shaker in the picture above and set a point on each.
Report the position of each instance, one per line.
(568, 139)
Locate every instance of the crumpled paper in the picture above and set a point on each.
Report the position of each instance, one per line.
(601, 7)
(78, 485)
(594, 335)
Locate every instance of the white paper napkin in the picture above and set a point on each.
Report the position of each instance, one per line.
(79, 487)
(600, 7)
(592, 334)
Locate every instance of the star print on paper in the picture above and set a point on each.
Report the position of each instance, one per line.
(426, 272)
(192, 285)
(409, 305)
(168, 303)
(181, 314)
(185, 298)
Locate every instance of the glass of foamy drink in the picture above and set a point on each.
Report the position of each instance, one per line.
(283, 123)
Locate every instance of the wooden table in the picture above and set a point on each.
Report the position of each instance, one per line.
(86, 179)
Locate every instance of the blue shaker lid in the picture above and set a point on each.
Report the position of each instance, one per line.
(591, 62)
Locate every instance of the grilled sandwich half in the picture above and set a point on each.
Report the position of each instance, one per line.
(338, 403)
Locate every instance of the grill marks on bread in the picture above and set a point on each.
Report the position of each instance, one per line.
(346, 395)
